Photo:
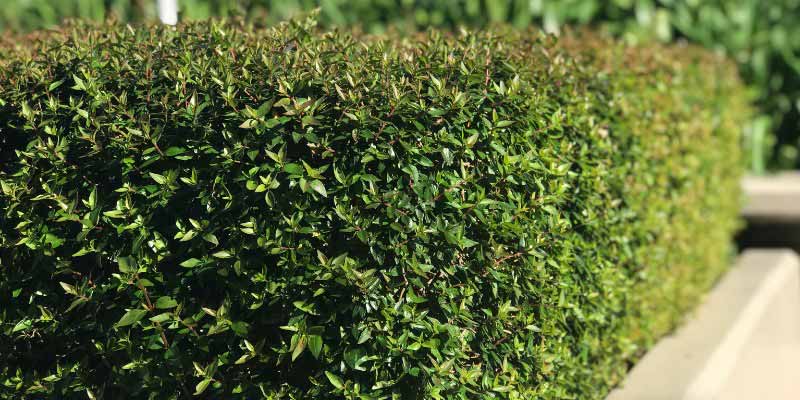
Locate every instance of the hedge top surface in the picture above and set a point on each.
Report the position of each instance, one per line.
(229, 213)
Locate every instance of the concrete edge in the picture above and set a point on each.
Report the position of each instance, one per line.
(720, 363)
(784, 182)
(773, 198)
(695, 362)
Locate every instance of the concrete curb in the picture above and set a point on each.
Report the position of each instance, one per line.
(772, 211)
(743, 342)
(773, 198)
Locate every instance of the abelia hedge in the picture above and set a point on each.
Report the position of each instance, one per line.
(216, 211)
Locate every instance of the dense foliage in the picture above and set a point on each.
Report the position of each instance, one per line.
(757, 34)
(222, 212)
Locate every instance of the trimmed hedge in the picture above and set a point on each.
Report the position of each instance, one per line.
(756, 33)
(287, 213)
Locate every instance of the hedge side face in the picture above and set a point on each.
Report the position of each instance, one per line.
(225, 213)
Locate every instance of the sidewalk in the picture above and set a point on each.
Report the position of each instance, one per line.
(742, 343)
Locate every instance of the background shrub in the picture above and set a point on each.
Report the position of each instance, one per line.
(286, 213)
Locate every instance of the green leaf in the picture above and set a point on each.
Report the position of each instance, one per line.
(92, 198)
(265, 107)
(191, 263)
(189, 235)
(222, 254)
(174, 151)
(160, 179)
(472, 140)
(68, 288)
(466, 243)
(293, 169)
(79, 85)
(424, 161)
(55, 85)
(366, 334)
(302, 306)
(131, 317)
(277, 157)
(243, 359)
(75, 303)
(311, 171)
(298, 349)
(249, 124)
(22, 325)
(315, 345)
(273, 122)
(334, 380)
(166, 302)
(114, 214)
(503, 124)
(126, 264)
(319, 187)
(210, 238)
(161, 317)
(201, 387)
(241, 328)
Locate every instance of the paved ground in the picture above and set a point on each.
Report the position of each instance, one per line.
(742, 343)
(769, 366)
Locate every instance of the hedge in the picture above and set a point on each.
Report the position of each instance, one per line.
(756, 33)
(216, 211)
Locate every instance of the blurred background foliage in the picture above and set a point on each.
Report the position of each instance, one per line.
(763, 36)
